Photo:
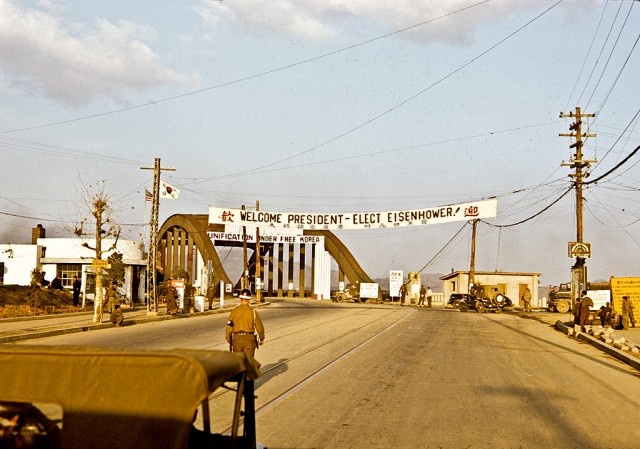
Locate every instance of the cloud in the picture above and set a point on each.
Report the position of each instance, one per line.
(321, 20)
(455, 20)
(75, 64)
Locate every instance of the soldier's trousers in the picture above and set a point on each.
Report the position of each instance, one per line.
(246, 343)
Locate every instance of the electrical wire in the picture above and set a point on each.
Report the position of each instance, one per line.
(586, 56)
(532, 216)
(614, 168)
(250, 77)
(443, 248)
(403, 102)
(604, 44)
(604, 69)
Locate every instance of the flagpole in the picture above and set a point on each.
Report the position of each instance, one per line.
(152, 303)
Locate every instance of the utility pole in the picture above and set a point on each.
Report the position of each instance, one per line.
(258, 276)
(472, 267)
(152, 303)
(581, 166)
(244, 282)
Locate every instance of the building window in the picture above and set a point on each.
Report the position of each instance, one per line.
(1, 273)
(66, 272)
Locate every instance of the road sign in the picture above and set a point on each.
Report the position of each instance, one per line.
(100, 263)
(579, 249)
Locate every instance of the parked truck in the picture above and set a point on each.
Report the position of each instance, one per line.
(560, 298)
(561, 301)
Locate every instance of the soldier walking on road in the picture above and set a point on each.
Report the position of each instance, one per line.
(244, 331)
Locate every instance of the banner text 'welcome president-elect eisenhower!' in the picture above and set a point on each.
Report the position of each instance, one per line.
(354, 220)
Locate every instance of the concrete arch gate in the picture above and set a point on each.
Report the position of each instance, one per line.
(184, 245)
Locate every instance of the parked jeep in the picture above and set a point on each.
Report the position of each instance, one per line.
(560, 299)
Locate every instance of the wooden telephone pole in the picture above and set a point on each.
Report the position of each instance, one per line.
(258, 275)
(581, 166)
(152, 302)
(472, 265)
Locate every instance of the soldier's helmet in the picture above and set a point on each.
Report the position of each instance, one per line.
(245, 293)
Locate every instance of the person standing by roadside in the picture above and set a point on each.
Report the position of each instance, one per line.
(576, 312)
(111, 298)
(423, 295)
(403, 293)
(429, 296)
(76, 291)
(608, 318)
(585, 310)
(626, 312)
(244, 331)
(526, 298)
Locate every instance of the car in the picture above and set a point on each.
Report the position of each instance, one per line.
(456, 298)
(499, 303)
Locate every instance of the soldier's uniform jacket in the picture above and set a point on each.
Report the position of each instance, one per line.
(241, 321)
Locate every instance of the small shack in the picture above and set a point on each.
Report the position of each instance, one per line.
(510, 284)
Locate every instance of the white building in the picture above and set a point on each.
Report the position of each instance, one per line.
(510, 284)
(69, 257)
(17, 262)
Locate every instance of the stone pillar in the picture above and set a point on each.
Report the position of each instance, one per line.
(280, 267)
(302, 270)
(290, 278)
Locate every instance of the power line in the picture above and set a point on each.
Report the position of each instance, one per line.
(532, 216)
(402, 103)
(247, 78)
(443, 248)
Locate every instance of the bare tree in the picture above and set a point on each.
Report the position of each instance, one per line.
(98, 205)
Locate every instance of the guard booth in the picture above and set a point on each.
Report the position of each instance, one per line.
(510, 284)
(413, 287)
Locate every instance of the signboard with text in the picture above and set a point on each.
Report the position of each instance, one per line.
(368, 290)
(396, 278)
(354, 220)
(629, 286)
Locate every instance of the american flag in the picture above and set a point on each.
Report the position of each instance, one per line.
(148, 197)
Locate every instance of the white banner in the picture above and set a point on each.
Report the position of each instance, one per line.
(251, 238)
(355, 220)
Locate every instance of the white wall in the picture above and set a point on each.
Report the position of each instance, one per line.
(73, 249)
(19, 261)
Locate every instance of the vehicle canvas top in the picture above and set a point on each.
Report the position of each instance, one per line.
(119, 398)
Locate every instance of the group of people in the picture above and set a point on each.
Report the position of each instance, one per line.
(56, 284)
(608, 317)
(425, 293)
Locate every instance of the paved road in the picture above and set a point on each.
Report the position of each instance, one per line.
(27, 328)
(354, 375)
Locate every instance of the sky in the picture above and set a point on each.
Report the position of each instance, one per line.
(333, 106)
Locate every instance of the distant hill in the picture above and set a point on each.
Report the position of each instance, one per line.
(428, 279)
(233, 261)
